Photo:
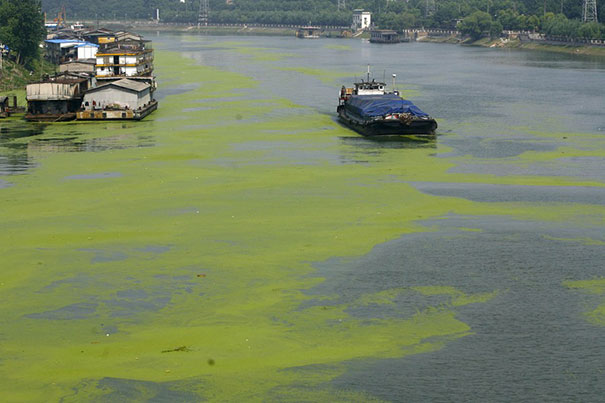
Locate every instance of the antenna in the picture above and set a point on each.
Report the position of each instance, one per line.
(342, 5)
(368, 73)
(394, 77)
(589, 11)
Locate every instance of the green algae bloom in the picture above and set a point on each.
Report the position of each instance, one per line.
(176, 260)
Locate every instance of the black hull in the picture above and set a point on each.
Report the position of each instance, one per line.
(389, 128)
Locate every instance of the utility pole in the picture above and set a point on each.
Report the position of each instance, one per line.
(589, 11)
(202, 18)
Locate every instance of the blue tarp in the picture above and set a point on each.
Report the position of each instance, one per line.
(368, 106)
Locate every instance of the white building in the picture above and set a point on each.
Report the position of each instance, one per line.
(122, 94)
(124, 63)
(361, 19)
(87, 50)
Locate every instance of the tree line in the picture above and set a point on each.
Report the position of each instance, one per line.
(475, 17)
(22, 29)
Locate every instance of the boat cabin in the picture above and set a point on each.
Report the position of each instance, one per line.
(384, 36)
(56, 98)
(369, 88)
(308, 32)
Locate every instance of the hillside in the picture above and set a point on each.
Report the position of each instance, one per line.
(298, 11)
(15, 76)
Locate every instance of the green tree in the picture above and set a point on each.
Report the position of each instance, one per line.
(495, 30)
(591, 30)
(476, 24)
(22, 28)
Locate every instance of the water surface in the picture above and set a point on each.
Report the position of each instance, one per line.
(239, 244)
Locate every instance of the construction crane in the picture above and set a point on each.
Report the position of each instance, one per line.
(60, 20)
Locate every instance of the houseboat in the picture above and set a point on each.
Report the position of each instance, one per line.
(56, 98)
(118, 100)
(308, 32)
(384, 36)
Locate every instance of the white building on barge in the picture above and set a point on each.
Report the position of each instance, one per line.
(122, 99)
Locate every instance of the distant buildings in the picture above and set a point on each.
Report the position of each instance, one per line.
(103, 75)
(361, 19)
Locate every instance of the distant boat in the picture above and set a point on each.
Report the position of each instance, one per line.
(308, 32)
(384, 36)
(372, 111)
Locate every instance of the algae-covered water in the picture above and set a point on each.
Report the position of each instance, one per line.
(240, 245)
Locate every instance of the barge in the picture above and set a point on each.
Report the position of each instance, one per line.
(118, 113)
(372, 111)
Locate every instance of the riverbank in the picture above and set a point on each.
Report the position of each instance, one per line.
(517, 44)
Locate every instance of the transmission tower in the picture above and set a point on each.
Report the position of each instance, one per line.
(342, 4)
(589, 12)
(429, 8)
(202, 18)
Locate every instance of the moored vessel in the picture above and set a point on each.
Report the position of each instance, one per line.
(371, 110)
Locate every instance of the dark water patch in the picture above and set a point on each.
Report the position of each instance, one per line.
(130, 390)
(530, 341)
(15, 160)
(363, 150)
(102, 175)
(77, 282)
(512, 193)
(179, 211)
(587, 168)
(80, 310)
(134, 302)
(489, 148)
(102, 256)
(157, 249)
(166, 90)
(13, 130)
(75, 144)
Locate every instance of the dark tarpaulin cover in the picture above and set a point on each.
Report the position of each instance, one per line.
(368, 106)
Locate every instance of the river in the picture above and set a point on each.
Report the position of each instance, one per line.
(240, 245)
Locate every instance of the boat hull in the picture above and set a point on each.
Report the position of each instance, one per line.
(118, 114)
(417, 126)
(50, 117)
